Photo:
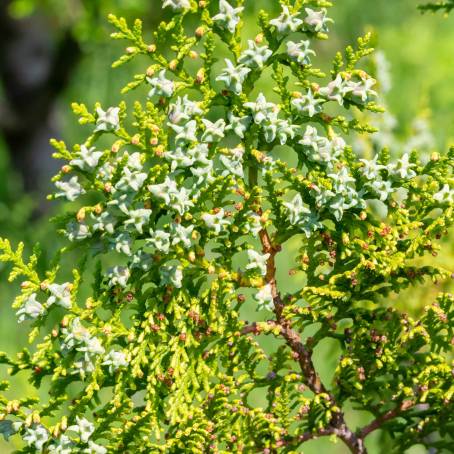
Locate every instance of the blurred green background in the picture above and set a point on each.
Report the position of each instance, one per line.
(34, 35)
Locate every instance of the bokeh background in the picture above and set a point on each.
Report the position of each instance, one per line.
(54, 52)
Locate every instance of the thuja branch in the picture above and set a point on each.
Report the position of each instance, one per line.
(168, 199)
(293, 339)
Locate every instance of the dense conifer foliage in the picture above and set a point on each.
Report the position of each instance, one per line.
(180, 207)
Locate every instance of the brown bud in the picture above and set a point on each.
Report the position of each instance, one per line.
(199, 32)
(241, 298)
(159, 151)
(155, 129)
(150, 71)
(386, 230)
(173, 65)
(361, 373)
(151, 48)
(259, 38)
(200, 76)
(81, 215)
(107, 329)
(135, 140)
(66, 168)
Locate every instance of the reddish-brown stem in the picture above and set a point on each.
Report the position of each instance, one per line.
(302, 353)
(391, 414)
(355, 443)
(292, 337)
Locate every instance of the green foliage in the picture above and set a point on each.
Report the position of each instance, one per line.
(446, 6)
(183, 233)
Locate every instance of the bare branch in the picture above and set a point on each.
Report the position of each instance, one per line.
(391, 414)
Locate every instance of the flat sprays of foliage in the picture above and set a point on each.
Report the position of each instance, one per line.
(182, 203)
